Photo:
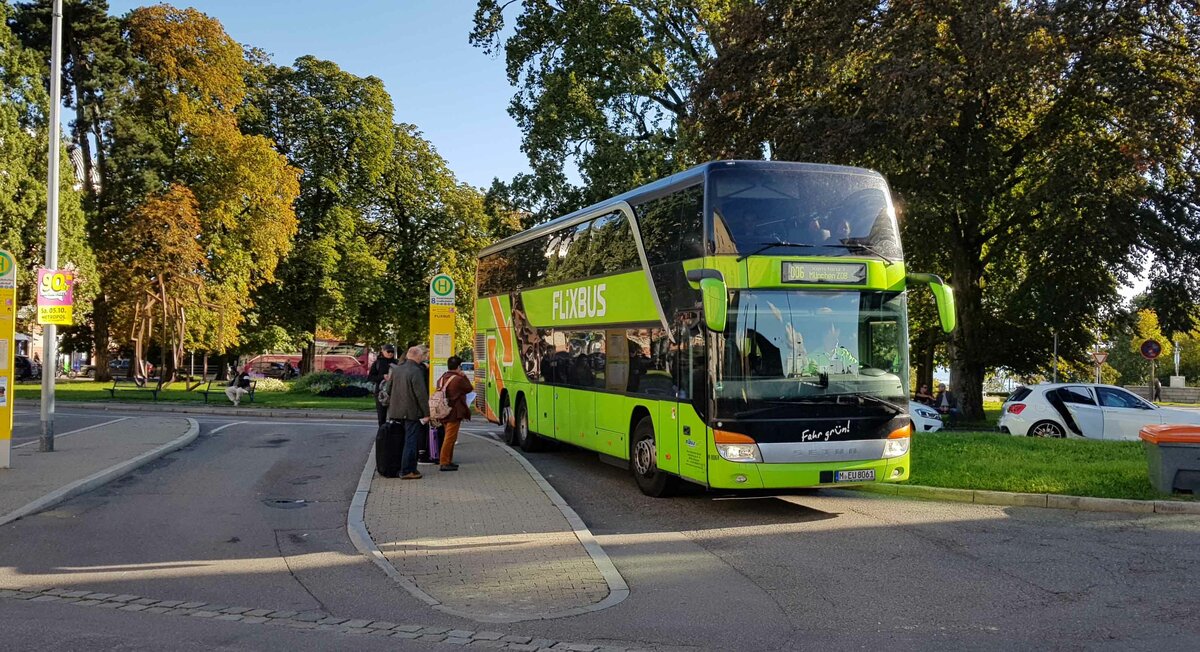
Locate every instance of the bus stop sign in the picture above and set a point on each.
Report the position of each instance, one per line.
(1151, 349)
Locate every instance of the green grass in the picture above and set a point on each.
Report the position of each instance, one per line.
(177, 393)
(1073, 467)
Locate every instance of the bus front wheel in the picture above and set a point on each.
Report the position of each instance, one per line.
(643, 462)
(526, 438)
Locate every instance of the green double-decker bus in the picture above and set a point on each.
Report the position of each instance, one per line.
(740, 325)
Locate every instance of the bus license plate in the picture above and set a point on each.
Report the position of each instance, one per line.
(864, 475)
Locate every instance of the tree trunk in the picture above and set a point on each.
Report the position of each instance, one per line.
(100, 337)
(924, 360)
(966, 348)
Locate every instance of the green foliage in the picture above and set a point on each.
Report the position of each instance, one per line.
(323, 381)
(603, 85)
(24, 145)
(338, 128)
(1038, 147)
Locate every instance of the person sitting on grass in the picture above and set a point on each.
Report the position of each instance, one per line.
(946, 402)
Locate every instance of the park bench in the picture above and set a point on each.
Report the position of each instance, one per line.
(218, 387)
(151, 385)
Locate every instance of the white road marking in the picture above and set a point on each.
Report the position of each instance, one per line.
(74, 432)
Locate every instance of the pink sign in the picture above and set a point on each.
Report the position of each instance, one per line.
(55, 296)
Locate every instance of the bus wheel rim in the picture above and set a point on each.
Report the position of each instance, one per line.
(644, 457)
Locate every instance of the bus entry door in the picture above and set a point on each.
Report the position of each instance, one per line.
(689, 373)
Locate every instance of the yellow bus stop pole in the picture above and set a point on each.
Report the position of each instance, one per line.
(8, 329)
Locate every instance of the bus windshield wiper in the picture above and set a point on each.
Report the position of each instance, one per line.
(763, 246)
(896, 410)
(865, 247)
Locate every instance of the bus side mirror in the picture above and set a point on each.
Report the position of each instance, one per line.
(943, 295)
(716, 303)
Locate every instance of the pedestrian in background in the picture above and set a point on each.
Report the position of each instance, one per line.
(1157, 390)
(946, 402)
(456, 386)
(408, 403)
(379, 370)
(238, 387)
(923, 396)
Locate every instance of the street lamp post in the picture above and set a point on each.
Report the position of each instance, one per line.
(50, 331)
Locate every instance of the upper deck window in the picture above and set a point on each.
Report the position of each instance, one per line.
(804, 212)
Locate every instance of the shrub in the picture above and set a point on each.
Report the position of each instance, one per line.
(323, 382)
(270, 385)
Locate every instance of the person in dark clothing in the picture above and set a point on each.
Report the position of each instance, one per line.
(1157, 390)
(408, 403)
(456, 386)
(379, 371)
(946, 402)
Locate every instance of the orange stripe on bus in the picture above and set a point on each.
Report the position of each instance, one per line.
(505, 329)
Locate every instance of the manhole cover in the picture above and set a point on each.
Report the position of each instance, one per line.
(284, 503)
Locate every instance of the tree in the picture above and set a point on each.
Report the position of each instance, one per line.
(338, 129)
(24, 143)
(601, 84)
(422, 222)
(1042, 149)
(175, 128)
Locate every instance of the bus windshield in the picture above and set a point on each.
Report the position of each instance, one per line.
(813, 212)
(792, 348)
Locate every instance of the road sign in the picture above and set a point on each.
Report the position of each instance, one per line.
(1100, 356)
(441, 325)
(8, 345)
(1151, 349)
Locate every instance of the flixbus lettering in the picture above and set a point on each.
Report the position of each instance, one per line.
(586, 301)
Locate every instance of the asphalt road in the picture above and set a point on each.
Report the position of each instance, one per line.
(843, 570)
(222, 521)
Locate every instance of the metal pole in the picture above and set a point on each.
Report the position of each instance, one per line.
(50, 331)
(1055, 376)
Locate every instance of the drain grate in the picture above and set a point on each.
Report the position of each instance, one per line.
(286, 503)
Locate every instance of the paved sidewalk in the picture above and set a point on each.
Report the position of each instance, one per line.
(86, 459)
(487, 541)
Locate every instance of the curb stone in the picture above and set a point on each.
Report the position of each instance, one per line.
(175, 408)
(103, 477)
(459, 638)
(1050, 501)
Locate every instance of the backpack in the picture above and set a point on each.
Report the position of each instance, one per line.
(385, 387)
(439, 405)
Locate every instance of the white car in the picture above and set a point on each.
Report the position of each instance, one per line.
(1084, 410)
(924, 418)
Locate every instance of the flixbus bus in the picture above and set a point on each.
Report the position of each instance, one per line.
(739, 325)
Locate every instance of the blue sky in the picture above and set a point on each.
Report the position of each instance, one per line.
(453, 92)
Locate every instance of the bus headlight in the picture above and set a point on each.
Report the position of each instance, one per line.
(896, 447)
(739, 452)
(736, 447)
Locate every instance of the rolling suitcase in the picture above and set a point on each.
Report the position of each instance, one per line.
(389, 448)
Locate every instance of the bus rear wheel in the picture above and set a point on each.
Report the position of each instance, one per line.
(643, 462)
(526, 438)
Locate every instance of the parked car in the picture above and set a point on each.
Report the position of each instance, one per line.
(26, 369)
(924, 418)
(1084, 410)
(118, 368)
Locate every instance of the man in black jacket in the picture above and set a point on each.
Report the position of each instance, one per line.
(379, 371)
(408, 403)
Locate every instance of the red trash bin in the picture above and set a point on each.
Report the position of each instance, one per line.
(1173, 457)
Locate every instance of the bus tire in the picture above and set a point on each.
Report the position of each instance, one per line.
(643, 462)
(510, 434)
(526, 438)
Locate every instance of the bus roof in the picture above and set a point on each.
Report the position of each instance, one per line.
(662, 186)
